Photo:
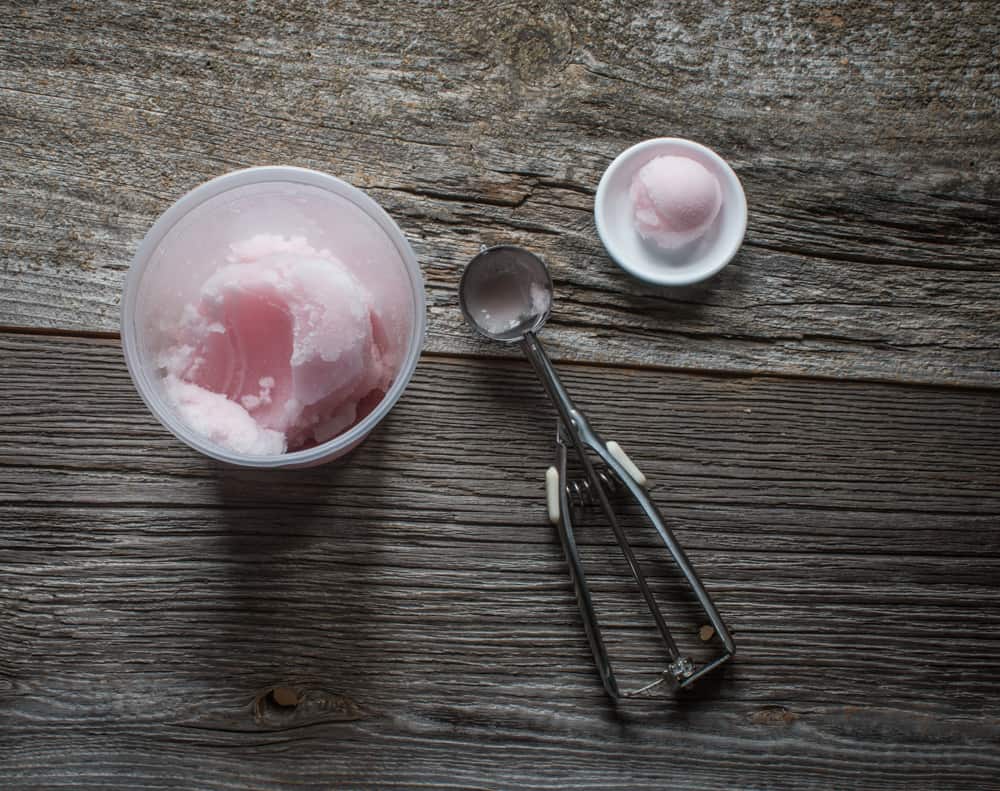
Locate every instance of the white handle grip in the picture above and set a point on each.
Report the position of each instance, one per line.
(622, 458)
(552, 494)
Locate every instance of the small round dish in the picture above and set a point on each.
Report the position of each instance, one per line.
(643, 259)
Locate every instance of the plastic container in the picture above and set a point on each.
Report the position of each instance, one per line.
(695, 261)
(189, 242)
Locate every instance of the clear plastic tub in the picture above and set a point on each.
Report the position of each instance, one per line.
(189, 242)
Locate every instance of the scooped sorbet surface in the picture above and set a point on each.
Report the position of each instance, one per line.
(283, 350)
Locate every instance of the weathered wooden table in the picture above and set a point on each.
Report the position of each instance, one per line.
(820, 419)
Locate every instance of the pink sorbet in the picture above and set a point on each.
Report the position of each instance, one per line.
(674, 200)
(283, 350)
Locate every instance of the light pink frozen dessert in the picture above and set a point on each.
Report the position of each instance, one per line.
(284, 349)
(674, 201)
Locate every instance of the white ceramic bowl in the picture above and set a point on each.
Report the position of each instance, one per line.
(190, 241)
(643, 259)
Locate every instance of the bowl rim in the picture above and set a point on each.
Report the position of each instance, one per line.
(189, 203)
(677, 276)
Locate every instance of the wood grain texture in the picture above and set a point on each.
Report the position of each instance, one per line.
(415, 605)
(865, 135)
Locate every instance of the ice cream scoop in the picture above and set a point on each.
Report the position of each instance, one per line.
(674, 200)
(506, 294)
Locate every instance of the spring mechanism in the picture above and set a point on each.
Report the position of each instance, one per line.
(581, 492)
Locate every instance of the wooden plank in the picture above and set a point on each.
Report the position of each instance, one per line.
(416, 607)
(865, 140)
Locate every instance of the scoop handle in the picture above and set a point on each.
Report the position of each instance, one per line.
(583, 435)
(539, 360)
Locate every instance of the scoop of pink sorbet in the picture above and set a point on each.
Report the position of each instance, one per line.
(674, 201)
(283, 350)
